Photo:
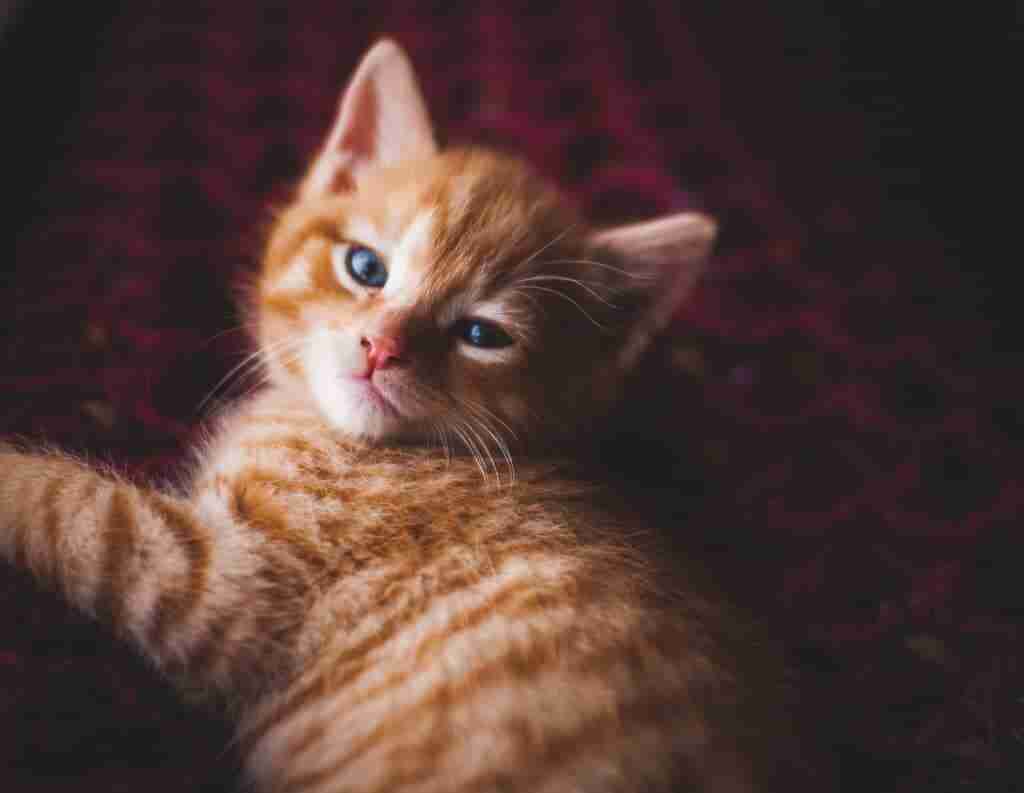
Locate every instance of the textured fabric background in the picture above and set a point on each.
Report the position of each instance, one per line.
(844, 393)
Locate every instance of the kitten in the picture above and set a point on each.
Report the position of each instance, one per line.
(379, 564)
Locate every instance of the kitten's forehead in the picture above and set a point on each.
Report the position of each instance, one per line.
(461, 220)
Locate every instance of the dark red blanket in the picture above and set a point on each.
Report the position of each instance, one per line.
(839, 382)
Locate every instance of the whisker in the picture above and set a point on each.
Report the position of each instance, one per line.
(566, 279)
(437, 429)
(543, 248)
(595, 263)
(480, 414)
(250, 364)
(487, 450)
(532, 298)
(478, 444)
(444, 442)
(470, 446)
(231, 373)
(260, 383)
(248, 327)
(477, 406)
(565, 297)
(502, 448)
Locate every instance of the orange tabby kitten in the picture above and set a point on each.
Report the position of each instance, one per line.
(377, 562)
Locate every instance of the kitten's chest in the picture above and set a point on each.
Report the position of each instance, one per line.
(280, 474)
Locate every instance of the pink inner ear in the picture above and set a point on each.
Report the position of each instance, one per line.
(383, 120)
(358, 124)
(670, 253)
(351, 143)
(654, 245)
(358, 134)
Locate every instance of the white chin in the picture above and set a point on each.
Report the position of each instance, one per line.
(349, 404)
(351, 409)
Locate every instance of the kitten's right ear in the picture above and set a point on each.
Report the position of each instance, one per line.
(383, 120)
(664, 257)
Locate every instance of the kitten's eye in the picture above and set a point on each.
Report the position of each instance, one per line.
(478, 333)
(363, 264)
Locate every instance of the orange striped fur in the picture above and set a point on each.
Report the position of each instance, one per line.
(409, 592)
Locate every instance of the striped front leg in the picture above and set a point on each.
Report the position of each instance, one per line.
(186, 588)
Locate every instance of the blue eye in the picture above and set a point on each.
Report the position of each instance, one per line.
(366, 267)
(478, 333)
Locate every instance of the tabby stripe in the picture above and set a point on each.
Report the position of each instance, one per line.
(79, 501)
(313, 487)
(387, 594)
(356, 657)
(52, 521)
(204, 653)
(119, 545)
(298, 229)
(176, 604)
(309, 458)
(554, 754)
(320, 459)
(51, 527)
(251, 506)
(520, 663)
(653, 709)
(432, 646)
(289, 305)
(267, 626)
(547, 758)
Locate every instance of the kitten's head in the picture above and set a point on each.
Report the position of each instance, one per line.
(415, 293)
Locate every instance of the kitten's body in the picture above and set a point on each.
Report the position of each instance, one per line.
(385, 612)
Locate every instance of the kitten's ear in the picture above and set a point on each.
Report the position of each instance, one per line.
(383, 120)
(662, 258)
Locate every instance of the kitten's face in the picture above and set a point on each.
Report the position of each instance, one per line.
(416, 294)
(438, 296)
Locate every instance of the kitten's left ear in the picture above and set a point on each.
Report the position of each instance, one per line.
(663, 258)
(383, 120)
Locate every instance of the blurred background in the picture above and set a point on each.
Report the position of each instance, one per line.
(845, 383)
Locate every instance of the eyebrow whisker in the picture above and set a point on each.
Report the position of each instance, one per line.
(564, 296)
(593, 292)
(544, 247)
(595, 263)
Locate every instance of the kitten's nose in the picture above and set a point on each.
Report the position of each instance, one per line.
(381, 352)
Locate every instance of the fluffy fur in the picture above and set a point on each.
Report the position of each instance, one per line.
(378, 563)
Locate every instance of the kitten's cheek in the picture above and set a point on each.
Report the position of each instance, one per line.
(286, 362)
(328, 352)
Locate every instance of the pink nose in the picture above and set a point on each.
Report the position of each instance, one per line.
(381, 352)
